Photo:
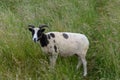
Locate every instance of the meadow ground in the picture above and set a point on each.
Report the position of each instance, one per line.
(22, 59)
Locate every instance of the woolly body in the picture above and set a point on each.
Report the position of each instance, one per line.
(62, 43)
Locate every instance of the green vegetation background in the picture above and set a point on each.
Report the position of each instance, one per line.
(22, 59)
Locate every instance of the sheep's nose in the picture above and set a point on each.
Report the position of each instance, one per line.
(35, 40)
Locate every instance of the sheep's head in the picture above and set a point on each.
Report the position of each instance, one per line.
(37, 32)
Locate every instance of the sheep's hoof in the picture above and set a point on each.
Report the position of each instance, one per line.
(85, 74)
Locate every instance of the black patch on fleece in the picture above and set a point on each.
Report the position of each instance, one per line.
(52, 35)
(76, 55)
(55, 48)
(54, 41)
(44, 41)
(48, 36)
(65, 36)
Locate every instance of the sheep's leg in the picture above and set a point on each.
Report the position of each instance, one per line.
(53, 59)
(84, 65)
(79, 63)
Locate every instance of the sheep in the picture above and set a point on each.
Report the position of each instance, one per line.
(62, 43)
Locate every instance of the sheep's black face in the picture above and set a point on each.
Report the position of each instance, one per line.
(36, 33)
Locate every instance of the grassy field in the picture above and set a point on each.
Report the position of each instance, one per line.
(22, 59)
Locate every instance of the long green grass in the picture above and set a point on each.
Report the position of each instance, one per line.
(22, 59)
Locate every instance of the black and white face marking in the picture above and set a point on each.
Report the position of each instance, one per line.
(36, 33)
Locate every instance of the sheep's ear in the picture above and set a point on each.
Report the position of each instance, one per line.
(30, 27)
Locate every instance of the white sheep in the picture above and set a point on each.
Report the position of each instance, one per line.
(62, 43)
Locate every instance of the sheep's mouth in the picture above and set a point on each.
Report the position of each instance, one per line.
(35, 40)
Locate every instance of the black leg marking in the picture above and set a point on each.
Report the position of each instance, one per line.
(52, 35)
(55, 48)
(65, 36)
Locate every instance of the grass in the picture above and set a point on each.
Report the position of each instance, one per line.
(22, 59)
